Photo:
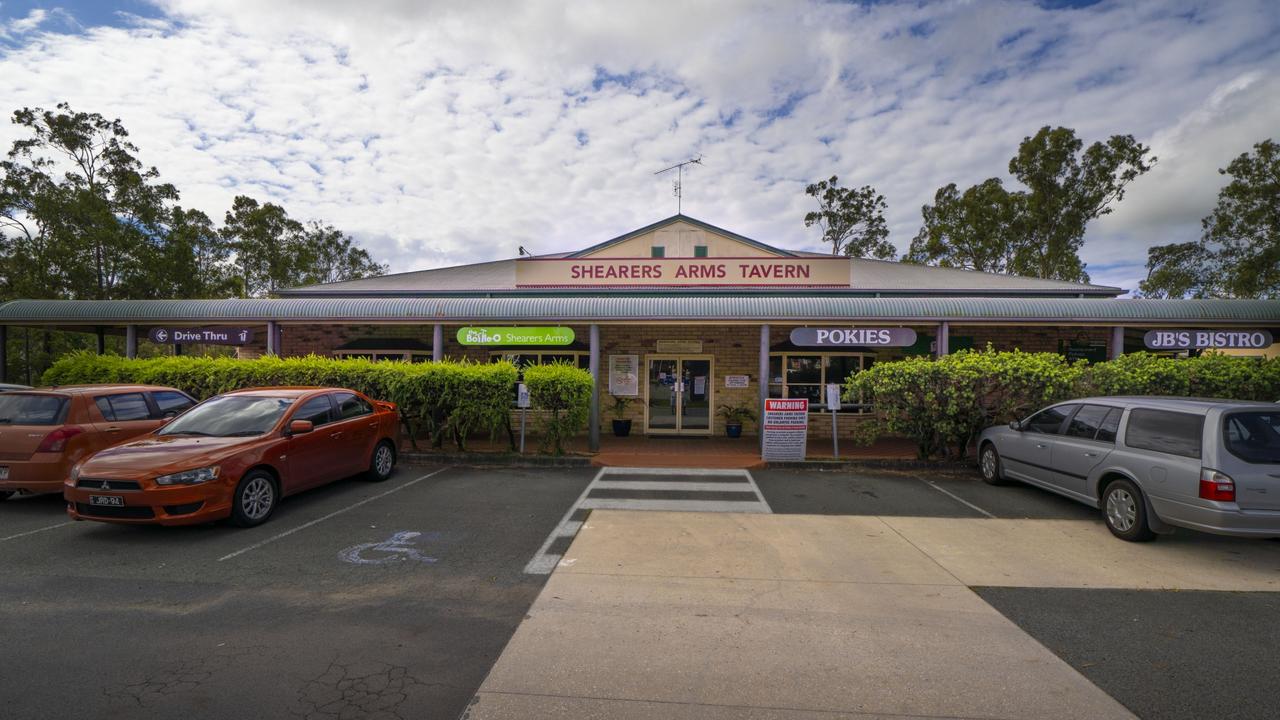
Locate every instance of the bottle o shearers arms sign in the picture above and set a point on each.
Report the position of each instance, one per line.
(691, 272)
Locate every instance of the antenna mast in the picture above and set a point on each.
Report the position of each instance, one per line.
(679, 181)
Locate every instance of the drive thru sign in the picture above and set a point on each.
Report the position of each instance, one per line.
(786, 427)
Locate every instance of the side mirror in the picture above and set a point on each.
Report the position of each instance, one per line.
(1015, 425)
(301, 427)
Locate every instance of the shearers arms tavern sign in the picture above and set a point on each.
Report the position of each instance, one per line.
(687, 272)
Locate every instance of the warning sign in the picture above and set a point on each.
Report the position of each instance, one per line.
(786, 427)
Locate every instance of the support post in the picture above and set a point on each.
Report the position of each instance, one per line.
(437, 343)
(272, 338)
(593, 437)
(1117, 342)
(177, 349)
(102, 341)
(131, 341)
(944, 339)
(763, 381)
(4, 353)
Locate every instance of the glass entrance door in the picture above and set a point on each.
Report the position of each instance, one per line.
(678, 395)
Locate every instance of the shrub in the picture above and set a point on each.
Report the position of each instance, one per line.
(564, 392)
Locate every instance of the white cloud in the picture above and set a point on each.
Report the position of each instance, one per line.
(447, 133)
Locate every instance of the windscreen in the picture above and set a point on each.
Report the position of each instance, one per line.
(1253, 436)
(31, 409)
(230, 416)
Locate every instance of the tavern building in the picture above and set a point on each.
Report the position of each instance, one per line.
(682, 315)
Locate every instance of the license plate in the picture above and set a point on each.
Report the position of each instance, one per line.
(4, 472)
(106, 500)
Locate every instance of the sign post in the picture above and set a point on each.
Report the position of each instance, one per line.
(522, 402)
(833, 402)
(786, 428)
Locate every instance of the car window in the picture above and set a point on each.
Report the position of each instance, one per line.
(1087, 421)
(1165, 431)
(22, 409)
(1253, 436)
(230, 416)
(317, 410)
(1110, 424)
(170, 402)
(1048, 422)
(125, 407)
(350, 406)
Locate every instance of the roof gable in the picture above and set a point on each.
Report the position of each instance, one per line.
(678, 235)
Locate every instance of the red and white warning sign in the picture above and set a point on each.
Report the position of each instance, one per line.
(786, 427)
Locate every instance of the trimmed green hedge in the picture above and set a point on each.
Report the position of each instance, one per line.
(564, 391)
(943, 404)
(445, 399)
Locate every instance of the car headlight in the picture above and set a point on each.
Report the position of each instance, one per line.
(189, 477)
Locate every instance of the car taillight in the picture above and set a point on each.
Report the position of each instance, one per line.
(1217, 486)
(56, 441)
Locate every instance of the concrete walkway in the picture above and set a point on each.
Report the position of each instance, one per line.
(691, 615)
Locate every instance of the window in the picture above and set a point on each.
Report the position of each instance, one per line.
(699, 251)
(1087, 422)
(1110, 424)
(1253, 436)
(1049, 422)
(23, 409)
(525, 359)
(805, 375)
(169, 402)
(381, 355)
(657, 251)
(1163, 431)
(126, 407)
(351, 406)
(317, 410)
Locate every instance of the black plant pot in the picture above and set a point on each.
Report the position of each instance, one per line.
(621, 428)
(733, 430)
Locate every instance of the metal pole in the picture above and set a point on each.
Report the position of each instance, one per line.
(131, 341)
(944, 339)
(437, 343)
(272, 338)
(177, 349)
(102, 341)
(763, 381)
(1117, 342)
(4, 353)
(593, 436)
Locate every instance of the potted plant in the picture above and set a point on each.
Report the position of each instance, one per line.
(733, 416)
(621, 423)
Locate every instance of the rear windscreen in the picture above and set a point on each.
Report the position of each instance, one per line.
(1253, 436)
(21, 409)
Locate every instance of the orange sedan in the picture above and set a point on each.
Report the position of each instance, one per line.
(45, 432)
(236, 455)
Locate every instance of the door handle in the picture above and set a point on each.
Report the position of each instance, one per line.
(1091, 454)
(1041, 445)
(113, 429)
(335, 436)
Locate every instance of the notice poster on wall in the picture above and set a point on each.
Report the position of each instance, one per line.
(786, 427)
(624, 375)
(737, 381)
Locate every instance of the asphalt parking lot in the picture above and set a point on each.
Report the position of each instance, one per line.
(334, 609)
(390, 600)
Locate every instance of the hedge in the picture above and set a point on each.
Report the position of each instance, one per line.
(564, 391)
(444, 399)
(943, 404)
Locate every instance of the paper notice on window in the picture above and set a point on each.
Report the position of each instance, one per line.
(700, 385)
(624, 375)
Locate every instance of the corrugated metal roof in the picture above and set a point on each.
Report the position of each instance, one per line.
(604, 309)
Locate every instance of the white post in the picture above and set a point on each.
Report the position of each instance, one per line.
(593, 436)
(437, 343)
(763, 381)
(272, 338)
(1117, 342)
(131, 341)
(944, 339)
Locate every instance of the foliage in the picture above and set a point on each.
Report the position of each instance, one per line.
(565, 392)
(442, 398)
(736, 414)
(620, 404)
(1238, 255)
(1035, 232)
(851, 220)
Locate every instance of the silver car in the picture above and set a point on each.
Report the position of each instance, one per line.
(1150, 463)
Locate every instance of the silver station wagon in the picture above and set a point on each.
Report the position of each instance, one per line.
(1150, 463)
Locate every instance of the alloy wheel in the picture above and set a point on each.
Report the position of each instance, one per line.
(383, 460)
(258, 498)
(1122, 509)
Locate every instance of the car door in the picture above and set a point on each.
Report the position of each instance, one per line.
(312, 456)
(1030, 454)
(1089, 437)
(125, 415)
(354, 432)
(1169, 445)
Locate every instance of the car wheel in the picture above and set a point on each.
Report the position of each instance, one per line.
(1125, 512)
(989, 464)
(384, 460)
(255, 499)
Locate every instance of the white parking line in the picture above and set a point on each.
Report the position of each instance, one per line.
(543, 563)
(759, 493)
(33, 532)
(955, 497)
(336, 513)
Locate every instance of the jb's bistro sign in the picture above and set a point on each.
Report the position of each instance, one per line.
(1207, 339)
(688, 272)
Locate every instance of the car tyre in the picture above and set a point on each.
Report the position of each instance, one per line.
(255, 499)
(989, 465)
(1125, 512)
(382, 462)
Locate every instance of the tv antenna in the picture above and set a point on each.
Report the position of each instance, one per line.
(679, 181)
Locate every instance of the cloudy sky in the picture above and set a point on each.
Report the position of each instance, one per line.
(441, 133)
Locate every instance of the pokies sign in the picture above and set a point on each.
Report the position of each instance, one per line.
(687, 272)
(853, 337)
(1207, 339)
(496, 336)
(203, 336)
